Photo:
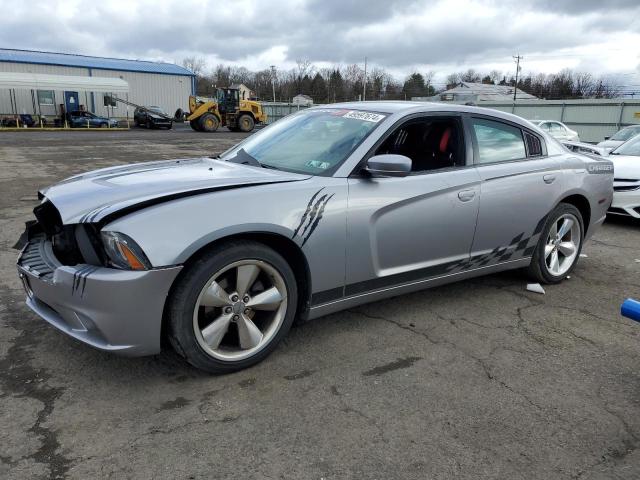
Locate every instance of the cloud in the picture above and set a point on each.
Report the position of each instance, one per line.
(396, 34)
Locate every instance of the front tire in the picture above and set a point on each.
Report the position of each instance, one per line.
(559, 245)
(246, 123)
(208, 123)
(194, 125)
(231, 307)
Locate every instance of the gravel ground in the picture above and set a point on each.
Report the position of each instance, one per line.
(479, 379)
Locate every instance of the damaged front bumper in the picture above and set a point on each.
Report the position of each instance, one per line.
(113, 310)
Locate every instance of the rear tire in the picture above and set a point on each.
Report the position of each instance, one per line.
(246, 123)
(231, 307)
(559, 246)
(194, 125)
(208, 123)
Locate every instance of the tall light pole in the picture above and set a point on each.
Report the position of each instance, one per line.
(364, 83)
(273, 81)
(515, 87)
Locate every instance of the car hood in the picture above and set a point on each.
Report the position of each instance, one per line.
(93, 196)
(625, 166)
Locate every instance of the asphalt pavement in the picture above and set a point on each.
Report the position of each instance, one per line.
(475, 380)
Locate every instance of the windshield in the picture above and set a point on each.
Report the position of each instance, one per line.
(312, 141)
(156, 110)
(625, 134)
(632, 147)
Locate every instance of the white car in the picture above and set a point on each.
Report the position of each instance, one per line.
(557, 130)
(626, 182)
(620, 137)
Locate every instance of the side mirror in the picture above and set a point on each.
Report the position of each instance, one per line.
(607, 138)
(388, 165)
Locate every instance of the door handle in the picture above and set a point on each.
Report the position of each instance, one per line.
(549, 178)
(466, 195)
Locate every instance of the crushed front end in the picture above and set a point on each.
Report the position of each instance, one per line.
(70, 282)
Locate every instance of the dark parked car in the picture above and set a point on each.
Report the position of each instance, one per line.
(151, 117)
(80, 119)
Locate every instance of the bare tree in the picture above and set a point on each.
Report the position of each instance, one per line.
(470, 76)
(495, 76)
(428, 82)
(195, 64)
(453, 79)
(304, 68)
(584, 85)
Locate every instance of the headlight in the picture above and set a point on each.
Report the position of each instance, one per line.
(123, 252)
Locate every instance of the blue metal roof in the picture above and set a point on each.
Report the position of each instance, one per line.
(83, 61)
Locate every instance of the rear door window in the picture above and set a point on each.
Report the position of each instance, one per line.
(497, 141)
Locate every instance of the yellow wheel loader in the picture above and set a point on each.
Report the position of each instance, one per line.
(227, 110)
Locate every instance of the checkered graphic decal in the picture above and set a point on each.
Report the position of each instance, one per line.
(518, 247)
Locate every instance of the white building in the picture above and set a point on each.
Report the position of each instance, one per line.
(244, 92)
(478, 92)
(302, 99)
(150, 83)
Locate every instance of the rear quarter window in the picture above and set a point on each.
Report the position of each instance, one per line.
(534, 145)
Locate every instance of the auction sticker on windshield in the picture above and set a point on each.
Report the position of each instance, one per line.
(366, 116)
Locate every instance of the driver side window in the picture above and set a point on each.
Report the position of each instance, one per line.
(431, 143)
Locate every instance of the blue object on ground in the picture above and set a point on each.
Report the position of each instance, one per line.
(631, 309)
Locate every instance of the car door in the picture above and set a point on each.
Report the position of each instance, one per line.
(520, 186)
(403, 230)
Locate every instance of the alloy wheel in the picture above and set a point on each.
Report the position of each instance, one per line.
(563, 244)
(240, 309)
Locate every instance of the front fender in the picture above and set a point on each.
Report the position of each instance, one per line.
(311, 213)
(244, 228)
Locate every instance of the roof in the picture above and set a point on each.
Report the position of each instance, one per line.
(84, 61)
(401, 106)
(302, 95)
(486, 91)
(38, 81)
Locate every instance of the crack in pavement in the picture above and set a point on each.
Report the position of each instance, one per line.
(612, 245)
(19, 379)
(613, 454)
(349, 409)
(480, 361)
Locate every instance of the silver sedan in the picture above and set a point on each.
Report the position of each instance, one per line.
(324, 210)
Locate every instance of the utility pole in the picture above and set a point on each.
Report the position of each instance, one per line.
(364, 85)
(273, 81)
(515, 87)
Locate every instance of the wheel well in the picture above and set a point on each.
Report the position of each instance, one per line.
(582, 204)
(281, 244)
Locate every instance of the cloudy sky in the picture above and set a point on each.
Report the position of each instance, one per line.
(600, 36)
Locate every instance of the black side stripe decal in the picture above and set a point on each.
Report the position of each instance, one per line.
(318, 218)
(314, 213)
(306, 213)
(312, 216)
(519, 247)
